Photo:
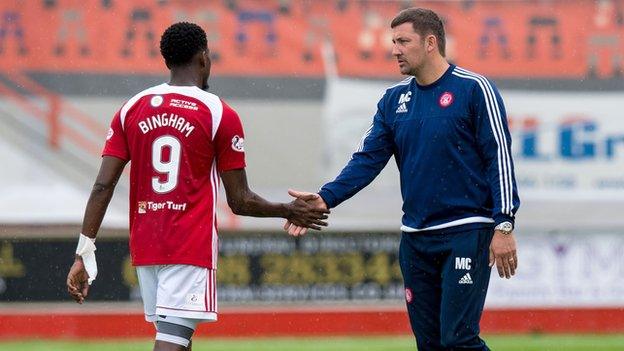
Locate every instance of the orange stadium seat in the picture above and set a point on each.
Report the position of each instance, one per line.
(541, 39)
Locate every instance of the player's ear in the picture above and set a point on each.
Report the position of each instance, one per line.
(203, 59)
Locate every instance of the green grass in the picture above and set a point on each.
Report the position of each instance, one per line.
(497, 343)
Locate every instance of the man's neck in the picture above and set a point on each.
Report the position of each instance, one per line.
(184, 77)
(432, 71)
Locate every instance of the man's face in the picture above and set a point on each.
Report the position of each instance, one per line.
(205, 72)
(409, 48)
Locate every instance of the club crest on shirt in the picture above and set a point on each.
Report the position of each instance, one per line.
(142, 207)
(446, 99)
(110, 133)
(156, 100)
(238, 144)
(409, 297)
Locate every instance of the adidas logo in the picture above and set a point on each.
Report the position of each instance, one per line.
(402, 108)
(466, 279)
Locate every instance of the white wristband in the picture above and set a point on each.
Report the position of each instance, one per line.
(86, 250)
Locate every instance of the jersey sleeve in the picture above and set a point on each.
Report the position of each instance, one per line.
(229, 141)
(372, 155)
(116, 143)
(494, 142)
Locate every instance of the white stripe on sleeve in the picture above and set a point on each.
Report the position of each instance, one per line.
(495, 119)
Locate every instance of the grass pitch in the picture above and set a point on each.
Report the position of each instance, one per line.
(497, 343)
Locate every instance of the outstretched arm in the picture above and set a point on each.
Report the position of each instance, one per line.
(110, 171)
(243, 201)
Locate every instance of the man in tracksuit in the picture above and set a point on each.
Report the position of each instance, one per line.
(447, 130)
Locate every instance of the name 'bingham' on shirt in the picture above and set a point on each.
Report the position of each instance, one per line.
(166, 120)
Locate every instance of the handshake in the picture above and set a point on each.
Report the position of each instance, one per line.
(308, 210)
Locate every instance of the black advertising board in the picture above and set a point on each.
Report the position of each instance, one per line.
(267, 267)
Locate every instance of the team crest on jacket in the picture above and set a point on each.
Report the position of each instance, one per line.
(238, 144)
(446, 99)
(409, 297)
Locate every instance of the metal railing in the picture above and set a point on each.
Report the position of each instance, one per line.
(64, 121)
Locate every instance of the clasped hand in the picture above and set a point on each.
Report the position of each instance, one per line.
(310, 211)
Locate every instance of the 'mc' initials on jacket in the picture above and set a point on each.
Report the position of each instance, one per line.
(403, 100)
(462, 263)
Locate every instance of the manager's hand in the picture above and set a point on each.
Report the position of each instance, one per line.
(503, 253)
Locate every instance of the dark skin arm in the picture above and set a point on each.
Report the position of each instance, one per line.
(108, 176)
(243, 201)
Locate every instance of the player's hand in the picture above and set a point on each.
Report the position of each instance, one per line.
(306, 211)
(313, 199)
(503, 253)
(78, 281)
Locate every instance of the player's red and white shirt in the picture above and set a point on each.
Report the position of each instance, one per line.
(178, 139)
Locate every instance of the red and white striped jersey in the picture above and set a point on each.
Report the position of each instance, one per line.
(178, 139)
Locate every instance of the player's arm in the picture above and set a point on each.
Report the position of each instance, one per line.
(84, 269)
(111, 169)
(243, 201)
(115, 156)
(494, 142)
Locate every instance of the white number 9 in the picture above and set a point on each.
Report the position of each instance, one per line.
(171, 168)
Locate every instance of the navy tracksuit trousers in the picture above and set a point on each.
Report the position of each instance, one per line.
(446, 277)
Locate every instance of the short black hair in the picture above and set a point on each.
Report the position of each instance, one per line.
(424, 22)
(180, 42)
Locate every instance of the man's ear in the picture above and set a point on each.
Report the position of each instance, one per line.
(431, 43)
(202, 59)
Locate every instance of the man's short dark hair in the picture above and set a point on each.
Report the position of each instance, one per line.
(180, 42)
(425, 22)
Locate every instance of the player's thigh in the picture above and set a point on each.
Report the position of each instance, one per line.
(187, 291)
(148, 284)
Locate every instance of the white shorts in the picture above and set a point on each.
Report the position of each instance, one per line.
(178, 290)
